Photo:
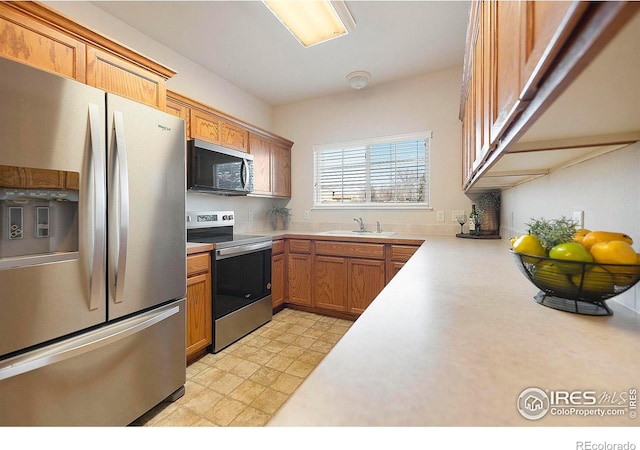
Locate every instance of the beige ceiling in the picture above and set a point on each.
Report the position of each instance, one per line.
(242, 42)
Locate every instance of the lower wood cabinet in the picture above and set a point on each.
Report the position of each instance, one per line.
(339, 278)
(366, 280)
(199, 319)
(298, 271)
(397, 256)
(278, 262)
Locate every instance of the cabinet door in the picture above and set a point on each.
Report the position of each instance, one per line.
(114, 74)
(181, 110)
(29, 41)
(506, 33)
(281, 170)
(299, 278)
(204, 126)
(277, 280)
(261, 151)
(199, 326)
(234, 136)
(330, 283)
(546, 25)
(366, 280)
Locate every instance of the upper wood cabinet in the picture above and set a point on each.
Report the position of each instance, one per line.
(37, 35)
(520, 58)
(211, 128)
(271, 166)
(114, 74)
(32, 41)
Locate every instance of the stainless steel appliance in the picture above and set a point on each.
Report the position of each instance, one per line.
(218, 170)
(92, 253)
(241, 270)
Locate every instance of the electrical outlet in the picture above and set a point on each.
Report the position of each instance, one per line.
(578, 217)
(306, 214)
(455, 213)
(250, 216)
(440, 216)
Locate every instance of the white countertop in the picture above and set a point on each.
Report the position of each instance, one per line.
(455, 338)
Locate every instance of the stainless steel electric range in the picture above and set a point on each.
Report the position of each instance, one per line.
(241, 275)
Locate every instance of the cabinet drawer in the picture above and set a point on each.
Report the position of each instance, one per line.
(350, 249)
(300, 245)
(198, 263)
(277, 247)
(402, 252)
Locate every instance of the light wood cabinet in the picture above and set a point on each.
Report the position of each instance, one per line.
(278, 272)
(281, 170)
(181, 110)
(337, 278)
(347, 275)
(271, 166)
(260, 148)
(32, 42)
(211, 128)
(31, 178)
(520, 57)
(199, 314)
(37, 35)
(397, 256)
(299, 272)
(330, 282)
(114, 74)
(366, 280)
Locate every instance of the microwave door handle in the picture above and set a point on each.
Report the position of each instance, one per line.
(122, 229)
(99, 212)
(244, 174)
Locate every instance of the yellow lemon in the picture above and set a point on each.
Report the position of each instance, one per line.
(547, 276)
(529, 245)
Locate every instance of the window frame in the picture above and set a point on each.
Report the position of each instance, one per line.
(423, 206)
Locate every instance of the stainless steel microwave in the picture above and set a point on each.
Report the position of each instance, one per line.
(216, 169)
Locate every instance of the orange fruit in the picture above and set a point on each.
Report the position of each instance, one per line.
(579, 235)
(614, 252)
(593, 237)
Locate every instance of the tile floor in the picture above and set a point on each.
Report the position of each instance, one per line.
(246, 383)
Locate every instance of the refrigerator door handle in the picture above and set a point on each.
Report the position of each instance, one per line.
(99, 213)
(82, 344)
(123, 201)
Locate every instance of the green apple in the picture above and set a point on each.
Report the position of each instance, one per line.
(570, 251)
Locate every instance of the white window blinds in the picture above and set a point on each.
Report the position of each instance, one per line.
(390, 171)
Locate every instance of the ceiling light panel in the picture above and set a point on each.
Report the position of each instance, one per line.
(313, 21)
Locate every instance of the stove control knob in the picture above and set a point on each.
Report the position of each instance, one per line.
(230, 216)
(224, 217)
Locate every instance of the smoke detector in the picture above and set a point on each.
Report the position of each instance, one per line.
(359, 79)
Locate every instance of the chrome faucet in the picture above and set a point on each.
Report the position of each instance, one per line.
(360, 223)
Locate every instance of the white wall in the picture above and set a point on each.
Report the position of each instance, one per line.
(428, 102)
(606, 188)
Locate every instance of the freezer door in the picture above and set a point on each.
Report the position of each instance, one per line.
(147, 218)
(106, 377)
(52, 214)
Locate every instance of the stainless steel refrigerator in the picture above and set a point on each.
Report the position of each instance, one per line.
(92, 253)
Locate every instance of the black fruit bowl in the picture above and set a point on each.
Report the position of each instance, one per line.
(574, 286)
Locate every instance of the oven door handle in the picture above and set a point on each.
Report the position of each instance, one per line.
(242, 249)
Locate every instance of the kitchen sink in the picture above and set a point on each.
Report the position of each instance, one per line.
(358, 233)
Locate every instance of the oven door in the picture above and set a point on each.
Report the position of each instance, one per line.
(242, 277)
